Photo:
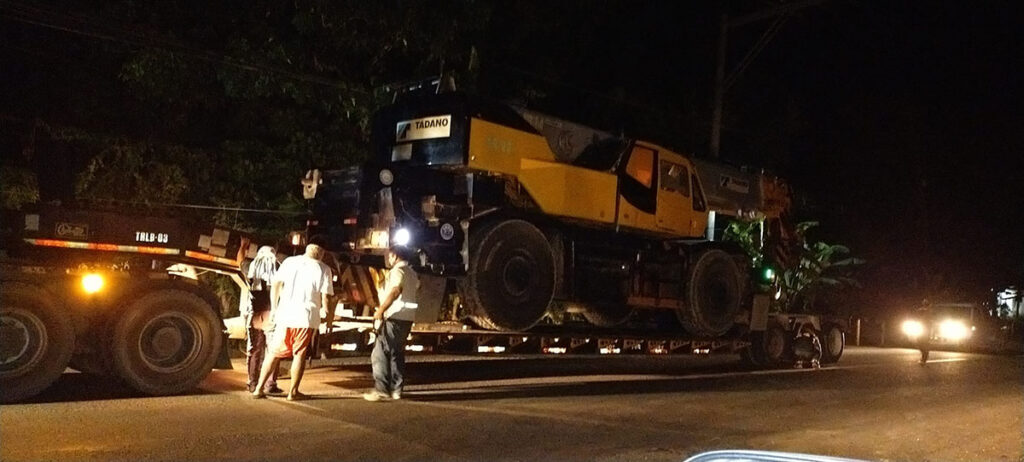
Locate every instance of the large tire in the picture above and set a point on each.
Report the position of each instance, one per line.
(714, 291)
(833, 343)
(36, 341)
(768, 349)
(166, 342)
(511, 276)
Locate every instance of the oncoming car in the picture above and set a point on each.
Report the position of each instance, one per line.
(942, 324)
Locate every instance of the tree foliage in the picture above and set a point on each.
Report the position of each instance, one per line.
(821, 271)
(745, 234)
(19, 187)
(228, 104)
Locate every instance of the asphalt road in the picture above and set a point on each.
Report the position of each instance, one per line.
(877, 404)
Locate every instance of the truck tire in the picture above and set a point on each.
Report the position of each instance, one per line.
(833, 343)
(36, 341)
(511, 277)
(714, 289)
(768, 349)
(166, 342)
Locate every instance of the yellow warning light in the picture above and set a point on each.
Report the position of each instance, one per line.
(92, 283)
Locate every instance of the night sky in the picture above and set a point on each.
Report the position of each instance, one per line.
(899, 123)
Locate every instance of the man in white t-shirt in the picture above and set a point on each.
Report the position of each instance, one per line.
(300, 289)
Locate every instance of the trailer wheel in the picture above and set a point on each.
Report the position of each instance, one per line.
(767, 349)
(166, 342)
(36, 342)
(833, 342)
(511, 276)
(714, 288)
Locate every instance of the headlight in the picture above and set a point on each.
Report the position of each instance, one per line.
(912, 328)
(401, 237)
(92, 283)
(386, 177)
(953, 329)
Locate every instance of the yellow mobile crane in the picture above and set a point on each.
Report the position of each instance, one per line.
(522, 209)
(524, 219)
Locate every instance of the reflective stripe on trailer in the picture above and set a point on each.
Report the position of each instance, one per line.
(207, 257)
(102, 247)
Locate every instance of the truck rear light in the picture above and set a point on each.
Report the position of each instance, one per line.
(349, 221)
(92, 283)
(312, 222)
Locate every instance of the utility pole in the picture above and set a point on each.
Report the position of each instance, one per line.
(722, 83)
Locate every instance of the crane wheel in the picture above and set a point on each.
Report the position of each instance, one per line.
(714, 291)
(166, 342)
(36, 342)
(511, 277)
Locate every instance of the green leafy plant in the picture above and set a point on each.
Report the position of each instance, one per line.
(744, 233)
(821, 269)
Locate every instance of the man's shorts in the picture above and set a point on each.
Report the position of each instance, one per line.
(291, 341)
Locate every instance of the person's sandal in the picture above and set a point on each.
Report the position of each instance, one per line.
(297, 396)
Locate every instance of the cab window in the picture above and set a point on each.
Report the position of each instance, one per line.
(674, 177)
(698, 197)
(641, 165)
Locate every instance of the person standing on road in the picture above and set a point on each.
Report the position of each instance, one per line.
(924, 316)
(302, 286)
(395, 315)
(261, 277)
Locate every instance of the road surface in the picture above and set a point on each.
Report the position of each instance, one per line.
(877, 404)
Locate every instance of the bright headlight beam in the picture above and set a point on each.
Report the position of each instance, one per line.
(953, 329)
(401, 237)
(92, 283)
(912, 328)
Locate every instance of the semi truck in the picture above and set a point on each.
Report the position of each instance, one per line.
(112, 294)
(527, 223)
